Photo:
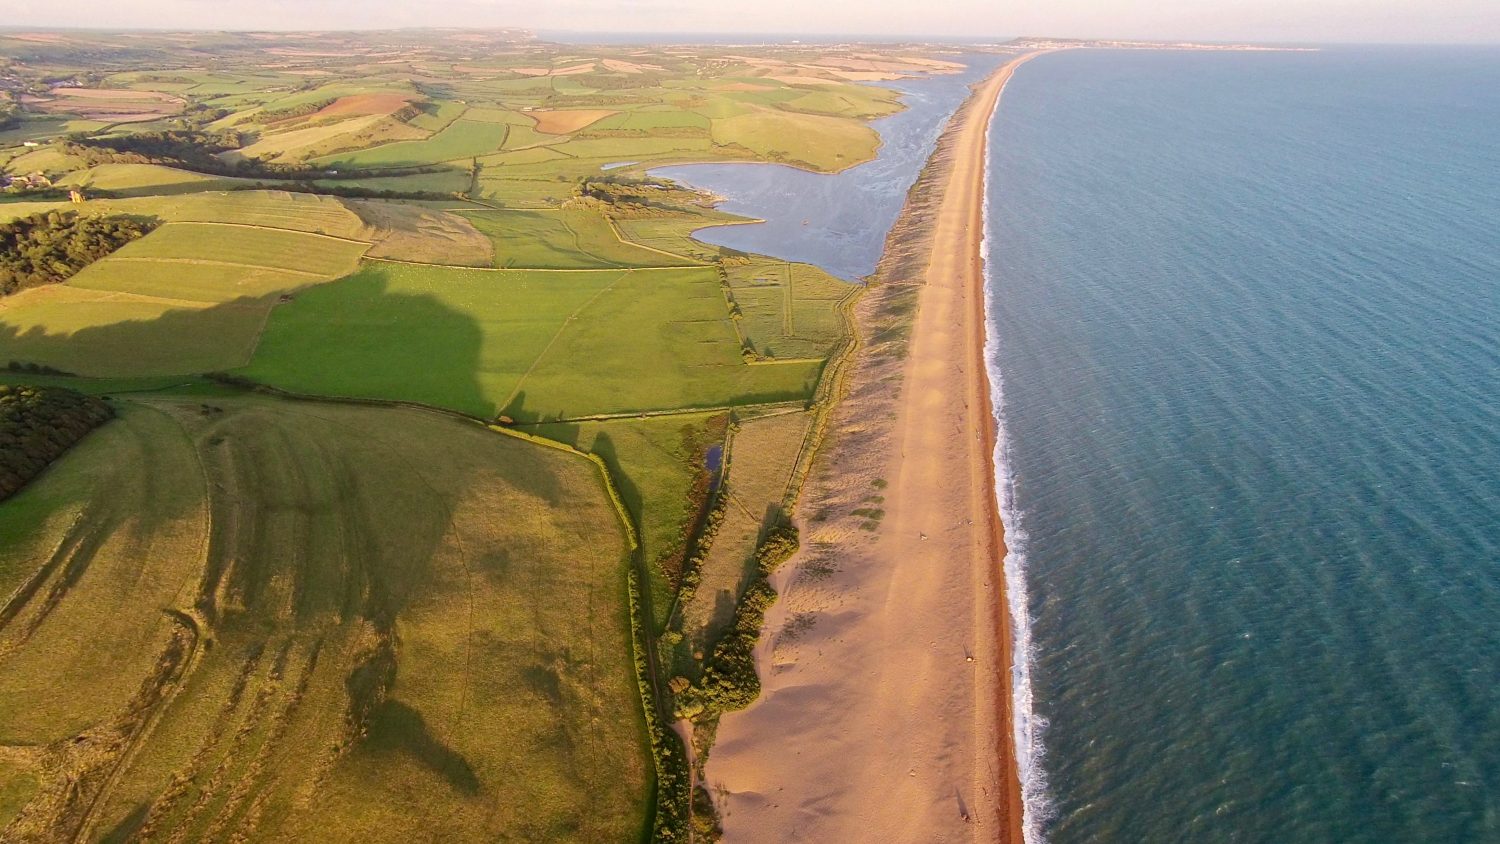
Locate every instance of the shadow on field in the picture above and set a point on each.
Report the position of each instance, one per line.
(356, 337)
(181, 341)
(397, 728)
(350, 337)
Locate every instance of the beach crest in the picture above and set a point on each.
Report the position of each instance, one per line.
(886, 665)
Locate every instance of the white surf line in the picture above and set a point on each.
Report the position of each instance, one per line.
(1027, 728)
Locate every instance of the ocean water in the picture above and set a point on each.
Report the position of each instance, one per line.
(838, 221)
(1246, 329)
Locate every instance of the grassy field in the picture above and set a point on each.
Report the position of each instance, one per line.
(245, 245)
(98, 333)
(673, 233)
(187, 298)
(145, 180)
(788, 310)
(571, 238)
(661, 467)
(424, 235)
(530, 344)
(460, 139)
(815, 141)
(353, 624)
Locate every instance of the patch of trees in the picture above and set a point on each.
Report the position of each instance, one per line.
(198, 151)
(618, 81)
(176, 147)
(626, 192)
(39, 424)
(186, 149)
(49, 247)
(10, 112)
(355, 192)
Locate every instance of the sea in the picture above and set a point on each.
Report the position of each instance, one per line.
(1245, 349)
(1245, 332)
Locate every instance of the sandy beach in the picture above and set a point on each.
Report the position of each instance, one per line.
(885, 713)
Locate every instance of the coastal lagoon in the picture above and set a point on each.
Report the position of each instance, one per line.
(838, 221)
(1246, 315)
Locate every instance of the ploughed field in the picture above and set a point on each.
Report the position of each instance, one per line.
(444, 464)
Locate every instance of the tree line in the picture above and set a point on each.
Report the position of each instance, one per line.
(51, 246)
(39, 424)
(199, 151)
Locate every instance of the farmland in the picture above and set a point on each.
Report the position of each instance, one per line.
(350, 646)
(443, 456)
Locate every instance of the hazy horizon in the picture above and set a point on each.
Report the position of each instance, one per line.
(1281, 21)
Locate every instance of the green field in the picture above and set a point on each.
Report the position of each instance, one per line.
(815, 141)
(305, 621)
(660, 467)
(188, 298)
(98, 333)
(789, 310)
(460, 139)
(573, 238)
(530, 344)
(246, 245)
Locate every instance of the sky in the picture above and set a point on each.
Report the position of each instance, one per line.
(1378, 21)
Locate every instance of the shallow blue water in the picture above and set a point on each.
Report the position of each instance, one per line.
(1247, 313)
(839, 221)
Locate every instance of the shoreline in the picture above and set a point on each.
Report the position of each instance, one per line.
(886, 665)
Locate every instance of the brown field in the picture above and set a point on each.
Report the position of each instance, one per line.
(621, 66)
(563, 121)
(384, 103)
(547, 71)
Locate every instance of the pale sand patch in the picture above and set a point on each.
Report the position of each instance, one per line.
(888, 717)
(563, 121)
